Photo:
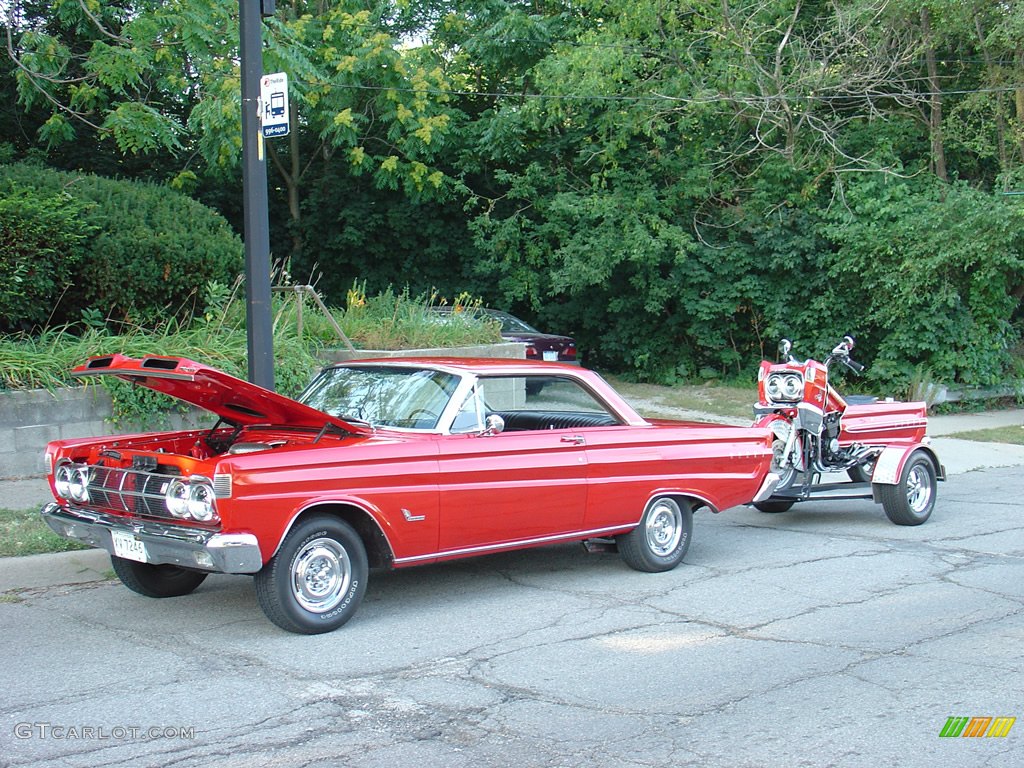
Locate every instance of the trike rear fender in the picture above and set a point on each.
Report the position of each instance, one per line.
(892, 459)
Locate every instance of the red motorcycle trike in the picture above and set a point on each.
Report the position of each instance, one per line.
(879, 444)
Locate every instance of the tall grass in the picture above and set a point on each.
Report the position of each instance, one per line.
(394, 320)
(218, 339)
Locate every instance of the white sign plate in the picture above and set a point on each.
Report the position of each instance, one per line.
(274, 104)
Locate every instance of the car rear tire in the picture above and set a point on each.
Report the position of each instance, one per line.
(317, 579)
(912, 499)
(661, 540)
(156, 580)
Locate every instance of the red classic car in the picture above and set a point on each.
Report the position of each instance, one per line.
(388, 463)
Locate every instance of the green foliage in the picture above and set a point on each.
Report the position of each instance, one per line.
(23, 532)
(686, 233)
(933, 270)
(147, 251)
(45, 361)
(163, 77)
(382, 237)
(43, 238)
(675, 184)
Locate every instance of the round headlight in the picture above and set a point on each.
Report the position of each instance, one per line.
(792, 387)
(176, 498)
(62, 481)
(772, 387)
(200, 502)
(78, 484)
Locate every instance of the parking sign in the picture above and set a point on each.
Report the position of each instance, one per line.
(274, 104)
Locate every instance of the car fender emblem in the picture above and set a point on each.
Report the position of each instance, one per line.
(410, 517)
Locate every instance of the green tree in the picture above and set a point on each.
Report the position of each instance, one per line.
(163, 77)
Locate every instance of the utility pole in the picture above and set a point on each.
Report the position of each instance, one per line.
(259, 330)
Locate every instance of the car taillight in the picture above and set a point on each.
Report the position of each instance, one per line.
(531, 351)
(570, 352)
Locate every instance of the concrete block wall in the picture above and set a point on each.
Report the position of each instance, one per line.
(31, 419)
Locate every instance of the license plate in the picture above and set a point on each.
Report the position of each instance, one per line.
(550, 356)
(128, 547)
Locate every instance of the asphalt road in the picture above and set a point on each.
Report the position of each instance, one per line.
(825, 636)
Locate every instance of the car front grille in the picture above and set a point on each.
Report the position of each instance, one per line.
(129, 491)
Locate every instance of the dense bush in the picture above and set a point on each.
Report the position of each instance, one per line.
(148, 251)
(42, 241)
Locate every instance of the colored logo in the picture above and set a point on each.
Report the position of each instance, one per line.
(977, 726)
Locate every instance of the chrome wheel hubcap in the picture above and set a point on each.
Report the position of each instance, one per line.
(664, 528)
(919, 489)
(321, 575)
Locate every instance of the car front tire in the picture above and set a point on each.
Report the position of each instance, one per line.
(156, 580)
(317, 579)
(661, 540)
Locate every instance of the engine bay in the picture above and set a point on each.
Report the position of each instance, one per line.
(182, 453)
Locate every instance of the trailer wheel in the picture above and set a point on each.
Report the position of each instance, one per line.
(862, 472)
(773, 506)
(912, 499)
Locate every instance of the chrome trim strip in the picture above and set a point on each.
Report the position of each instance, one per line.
(410, 517)
(887, 426)
(574, 535)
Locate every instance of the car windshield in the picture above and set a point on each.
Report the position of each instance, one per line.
(387, 396)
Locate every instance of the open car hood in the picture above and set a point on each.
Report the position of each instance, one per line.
(234, 400)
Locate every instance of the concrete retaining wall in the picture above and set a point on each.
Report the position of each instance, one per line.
(29, 420)
(511, 349)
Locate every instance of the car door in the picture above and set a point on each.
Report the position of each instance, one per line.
(511, 486)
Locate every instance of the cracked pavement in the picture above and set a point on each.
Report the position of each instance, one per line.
(818, 637)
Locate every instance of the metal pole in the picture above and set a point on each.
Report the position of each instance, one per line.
(259, 328)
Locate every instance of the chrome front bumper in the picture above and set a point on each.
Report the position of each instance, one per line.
(165, 544)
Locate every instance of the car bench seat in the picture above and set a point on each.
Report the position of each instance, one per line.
(518, 421)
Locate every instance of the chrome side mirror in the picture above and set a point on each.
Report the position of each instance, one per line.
(494, 424)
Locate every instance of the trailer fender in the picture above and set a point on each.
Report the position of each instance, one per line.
(892, 459)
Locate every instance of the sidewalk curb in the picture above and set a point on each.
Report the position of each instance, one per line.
(55, 569)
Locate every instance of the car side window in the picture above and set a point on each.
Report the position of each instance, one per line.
(542, 402)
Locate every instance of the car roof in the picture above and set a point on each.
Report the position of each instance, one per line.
(475, 365)
(481, 366)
